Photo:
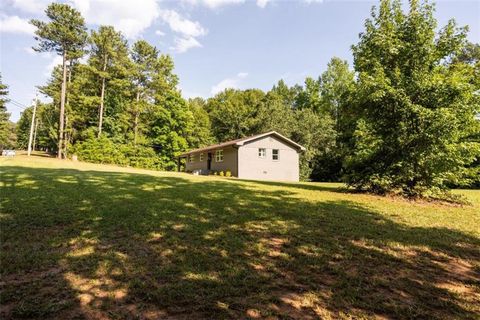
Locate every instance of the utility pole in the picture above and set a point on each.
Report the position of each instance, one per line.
(32, 126)
(35, 134)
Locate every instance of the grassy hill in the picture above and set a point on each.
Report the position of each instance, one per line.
(98, 242)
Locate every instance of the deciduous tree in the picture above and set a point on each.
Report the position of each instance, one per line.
(414, 105)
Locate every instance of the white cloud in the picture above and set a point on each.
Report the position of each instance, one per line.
(213, 4)
(131, 17)
(262, 3)
(55, 61)
(182, 25)
(188, 30)
(45, 55)
(184, 44)
(159, 33)
(234, 83)
(219, 3)
(191, 94)
(29, 50)
(15, 24)
(30, 6)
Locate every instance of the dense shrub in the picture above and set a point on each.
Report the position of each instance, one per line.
(141, 156)
(104, 150)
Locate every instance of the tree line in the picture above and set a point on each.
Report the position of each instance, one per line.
(403, 119)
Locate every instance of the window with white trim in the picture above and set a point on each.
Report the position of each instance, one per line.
(262, 152)
(201, 156)
(275, 154)
(191, 158)
(219, 156)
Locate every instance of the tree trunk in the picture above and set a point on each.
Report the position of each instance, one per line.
(135, 125)
(102, 97)
(62, 106)
(66, 138)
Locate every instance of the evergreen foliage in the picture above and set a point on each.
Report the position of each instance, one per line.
(5, 125)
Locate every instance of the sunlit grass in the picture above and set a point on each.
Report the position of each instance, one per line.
(82, 240)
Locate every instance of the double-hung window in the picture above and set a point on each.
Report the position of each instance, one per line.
(191, 158)
(262, 152)
(219, 156)
(275, 154)
(201, 157)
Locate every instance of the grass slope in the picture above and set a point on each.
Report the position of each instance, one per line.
(99, 242)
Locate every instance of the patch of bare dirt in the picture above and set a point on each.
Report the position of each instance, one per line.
(18, 279)
(295, 305)
(274, 245)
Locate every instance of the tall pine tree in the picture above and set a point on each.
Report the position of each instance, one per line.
(65, 34)
(108, 55)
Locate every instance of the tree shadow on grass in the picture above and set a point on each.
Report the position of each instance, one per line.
(90, 244)
(312, 186)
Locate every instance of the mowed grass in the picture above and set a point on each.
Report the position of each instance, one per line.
(85, 241)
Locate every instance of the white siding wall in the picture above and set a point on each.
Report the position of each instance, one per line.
(251, 166)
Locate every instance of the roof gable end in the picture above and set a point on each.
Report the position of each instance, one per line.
(271, 133)
(242, 141)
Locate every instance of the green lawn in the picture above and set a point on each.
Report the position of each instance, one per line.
(101, 242)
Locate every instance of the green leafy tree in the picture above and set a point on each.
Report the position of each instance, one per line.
(276, 112)
(5, 127)
(469, 60)
(145, 59)
(159, 106)
(314, 131)
(11, 141)
(169, 128)
(336, 86)
(317, 134)
(469, 54)
(308, 96)
(415, 106)
(234, 113)
(45, 129)
(23, 128)
(285, 93)
(201, 136)
(168, 119)
(66, 35)
(143, 111)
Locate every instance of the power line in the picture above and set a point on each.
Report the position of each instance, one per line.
(18, 107)
(17, 104)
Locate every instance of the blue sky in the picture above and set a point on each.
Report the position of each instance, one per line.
(215, 43)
